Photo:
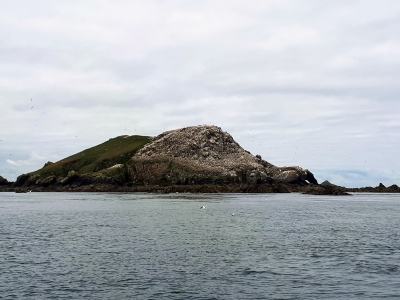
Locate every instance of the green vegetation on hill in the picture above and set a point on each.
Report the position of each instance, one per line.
(114, 151)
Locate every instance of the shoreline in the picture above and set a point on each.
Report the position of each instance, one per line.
(201, 188)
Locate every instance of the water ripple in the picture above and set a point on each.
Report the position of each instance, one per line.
(135, 246)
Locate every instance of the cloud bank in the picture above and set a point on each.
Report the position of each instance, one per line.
(310, 83)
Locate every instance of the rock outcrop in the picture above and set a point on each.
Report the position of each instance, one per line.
(73, 178)
(381, 188)
(206, 154)
(326, 183)
(3, 181)
(48, 164)
(22, 180)
(326, 190)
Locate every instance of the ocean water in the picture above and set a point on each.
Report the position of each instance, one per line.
(143, 246)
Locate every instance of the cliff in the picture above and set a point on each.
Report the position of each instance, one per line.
(206, 154)
(3, 181)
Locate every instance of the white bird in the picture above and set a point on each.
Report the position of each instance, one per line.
(203, 207)
(233, 214)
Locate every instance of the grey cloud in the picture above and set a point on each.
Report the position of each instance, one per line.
(312, 83)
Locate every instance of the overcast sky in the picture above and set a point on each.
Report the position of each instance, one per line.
(308, 83)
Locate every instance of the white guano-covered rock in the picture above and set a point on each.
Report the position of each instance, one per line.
(207, 149)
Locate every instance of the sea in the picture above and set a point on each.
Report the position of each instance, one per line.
(239, 246)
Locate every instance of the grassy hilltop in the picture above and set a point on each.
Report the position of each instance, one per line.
(114, 151)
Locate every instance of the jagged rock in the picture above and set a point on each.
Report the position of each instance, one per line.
(50, 180)
(32, 180)
(3, 181)
(327, 183)
(303, 175)
(48, 164)
(286, 176)
(378, 189)
(76, 179)
(205, 154)
(280, 188)
(72, 175)
(21, 179)
(98, 179)
(393, 189)
(326, 190)
(26, 180)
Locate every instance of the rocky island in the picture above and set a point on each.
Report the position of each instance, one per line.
(192, 159)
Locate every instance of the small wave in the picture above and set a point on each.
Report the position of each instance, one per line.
(249, 271)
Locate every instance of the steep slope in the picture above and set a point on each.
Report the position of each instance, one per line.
(3, 181)
(205, 154)
(114, 151)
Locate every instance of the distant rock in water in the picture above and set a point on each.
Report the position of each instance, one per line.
(206, 154)
(393, 189)
(381, 188)
(327, 183)
(326, 189)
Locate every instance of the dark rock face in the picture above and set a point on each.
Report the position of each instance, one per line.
(310, 178)
(205, 154)
(87, 179)
(326, 183)
(326, 190)
(28, 181)
(378, 189)
(3, 181)
(21, 179)
(50, 180)
(72, 176)
(393, 189)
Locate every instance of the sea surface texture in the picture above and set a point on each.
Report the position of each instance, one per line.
(143, 246)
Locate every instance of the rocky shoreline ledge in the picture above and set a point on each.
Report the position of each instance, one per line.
(312, 189)
(203, 188)
(118, 187)
(378, 189)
